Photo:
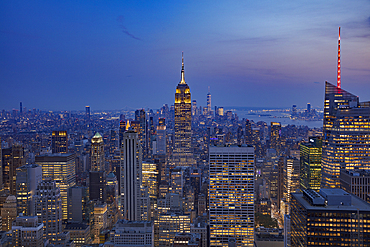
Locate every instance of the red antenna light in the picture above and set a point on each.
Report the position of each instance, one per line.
(338, 71)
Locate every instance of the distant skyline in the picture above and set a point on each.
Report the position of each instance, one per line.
(117, 54)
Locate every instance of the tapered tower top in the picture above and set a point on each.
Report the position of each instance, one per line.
(182, 71)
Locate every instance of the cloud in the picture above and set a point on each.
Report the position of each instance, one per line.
(316, 82)
(120, 20)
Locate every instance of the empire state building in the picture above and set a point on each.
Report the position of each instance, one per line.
(182, 154)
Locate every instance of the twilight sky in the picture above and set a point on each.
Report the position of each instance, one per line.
(63, 55)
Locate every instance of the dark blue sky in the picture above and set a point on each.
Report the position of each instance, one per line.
(63, 55)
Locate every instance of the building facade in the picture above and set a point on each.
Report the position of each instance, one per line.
(231, 195)
(331, 216)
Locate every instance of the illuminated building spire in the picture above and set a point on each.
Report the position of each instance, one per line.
(338, 71)
(182, 71)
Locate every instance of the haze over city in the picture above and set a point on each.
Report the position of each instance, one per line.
(112, 55)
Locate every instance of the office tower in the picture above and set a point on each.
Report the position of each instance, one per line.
(330, 217)
(136, 233)
(131, 176)
(356, 182)
(310, 159)
(12, 158)
(20, 108)
(209, 107)
(27, 231)
(291, 179)
(161, 136)
(308, 107)
(231, 195)
(59, 142)
(97, 186)
(79, 205)
(248, 133)
(100, 220)
(60, 168)
(167, 225)
(194, 107)
(140, 117)
(275, 136)
(48, 208)
(97, 153)
(346, 136)
(182, 154)
(87, 116)
(177, 181)
(9, 212)
(150, 178)
(28, 177)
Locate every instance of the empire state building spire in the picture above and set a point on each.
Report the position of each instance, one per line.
(338, 70)
(182, 71)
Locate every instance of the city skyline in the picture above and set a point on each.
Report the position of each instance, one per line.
(63, 56)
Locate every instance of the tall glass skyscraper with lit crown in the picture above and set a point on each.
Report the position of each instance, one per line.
(182, 154)
(346, 140)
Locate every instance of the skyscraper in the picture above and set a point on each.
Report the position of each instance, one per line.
(97, 153)
(140, 117)
(28, 177)
(48, 208)
(231, 195)
(209, 107)
(59, 142)
(182, 154)
(131, 176)
(275, 136)
(161, 136)
(61, 169)
(310, 159)
(346, 137)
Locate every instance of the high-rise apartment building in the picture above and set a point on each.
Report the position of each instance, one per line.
(182, 153)
(61, 169)
(97, 153)
(231, 195)
(59, 142)
(346, 140)
(131, 176)
(310, 159)
(329, 217)
(28, 177)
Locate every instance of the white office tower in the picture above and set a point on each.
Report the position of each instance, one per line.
(231, 195)
(131, 176)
